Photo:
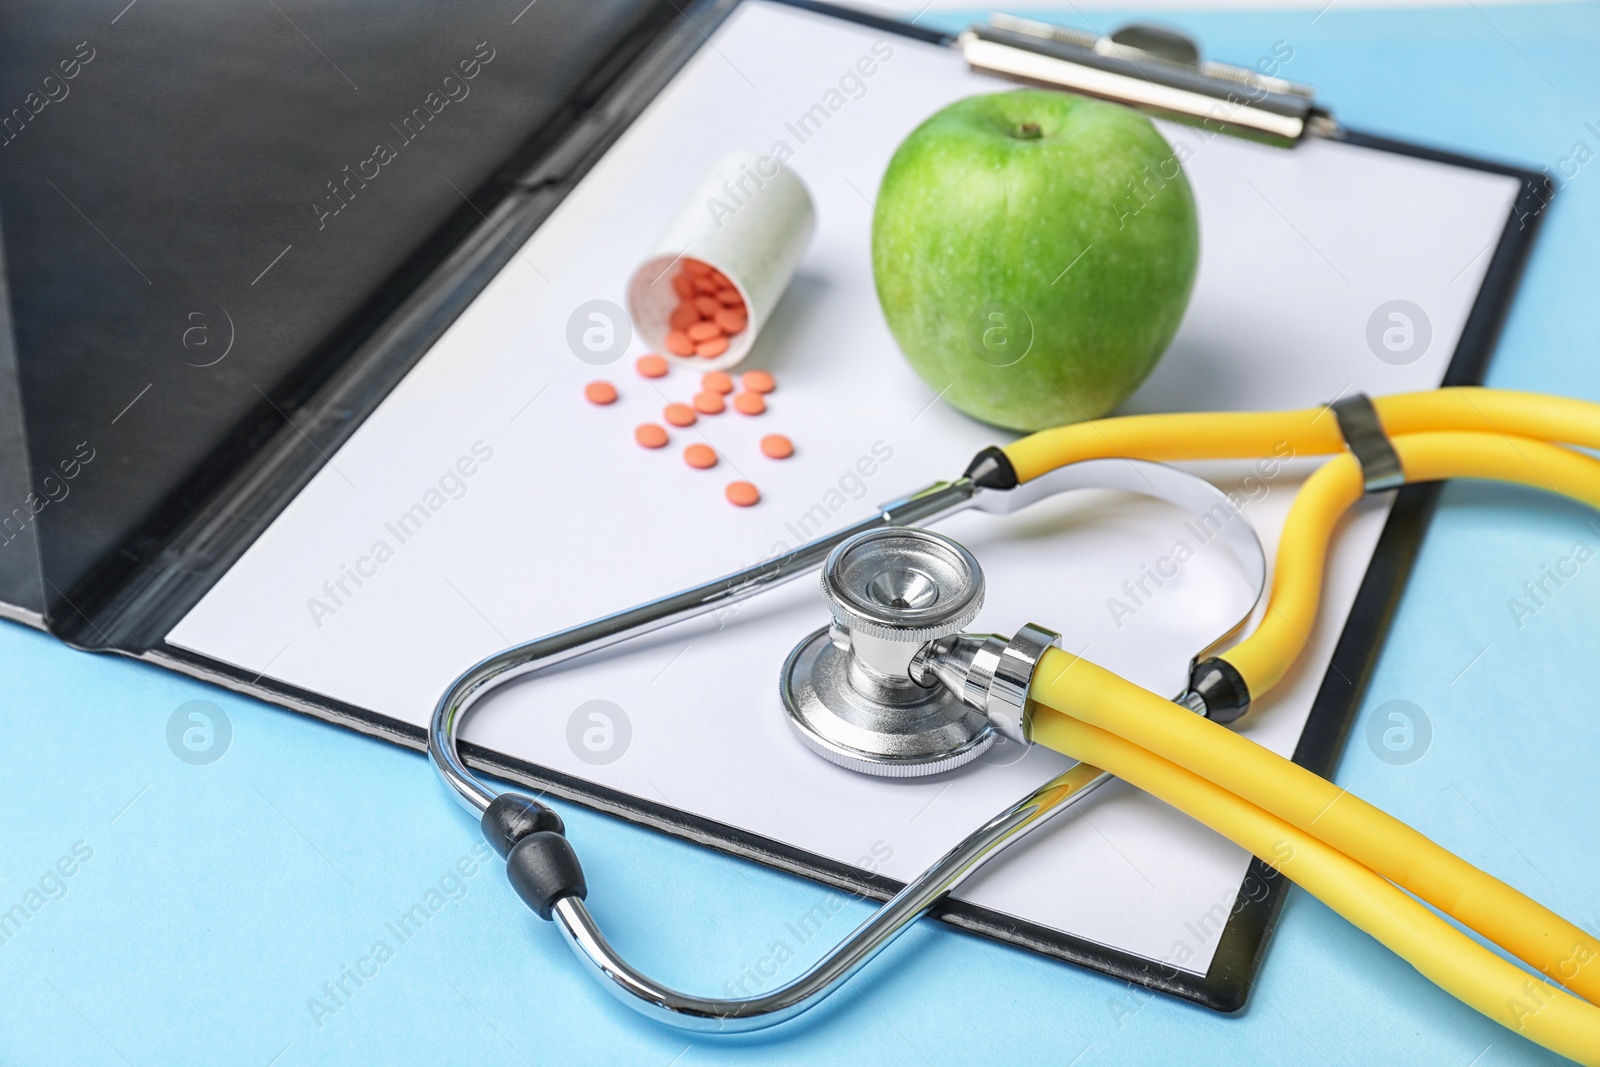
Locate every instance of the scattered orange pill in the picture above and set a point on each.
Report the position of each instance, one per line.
(650, 435)
(683, 285)
(709, 403)
(730, 320)
(742, 494)
(600, 393)
(730, 297)
(705, 285)
(707, 305)
(696, 267)
(777, 446)
(652, 366)
(717, 381)
(758, 381)
(749, 404)
(679, 414)
(713, 348)
(700, 457)
(678, 343)
(703, 331)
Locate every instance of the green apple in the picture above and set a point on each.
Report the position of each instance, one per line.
(1034, 252)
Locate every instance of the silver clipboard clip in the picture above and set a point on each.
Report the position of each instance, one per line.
(1152, 68)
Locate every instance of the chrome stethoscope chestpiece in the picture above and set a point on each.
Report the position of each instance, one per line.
(892, 687)
(848, 687)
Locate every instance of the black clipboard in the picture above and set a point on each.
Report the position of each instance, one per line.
(89, 334)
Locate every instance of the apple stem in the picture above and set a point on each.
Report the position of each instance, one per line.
(1029, 131)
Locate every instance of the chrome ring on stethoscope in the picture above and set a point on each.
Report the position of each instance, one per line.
(890, 687)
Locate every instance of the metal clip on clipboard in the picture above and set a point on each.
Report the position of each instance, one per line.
(1152, 68)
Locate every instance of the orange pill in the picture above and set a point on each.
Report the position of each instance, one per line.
(717, 381)
(729, 298)
(709, 403)
(683, 285)
(730, 320)
(703, 331)
(758, 381)
(600, 393)
(707, 306)
(678, 343)
(720, 278)
(713, 348)
(749, 404)
(650, 435)
(683, 316)
(679, 414)
(651, 366)
(742, 494)
(705, 286)
(696, 267)
(700, 457)
(777, 446)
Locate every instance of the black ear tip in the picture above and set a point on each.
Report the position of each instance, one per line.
(1223, 689)
(543, 869)
(992, 469)
(512, 816)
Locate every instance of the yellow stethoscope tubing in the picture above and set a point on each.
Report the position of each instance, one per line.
(1448, 433)
(1311, 805)
(1267, 654)
(1308, 431)
(1526, 929)
(1441, 953)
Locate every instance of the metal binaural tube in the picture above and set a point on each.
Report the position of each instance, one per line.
(877, 932)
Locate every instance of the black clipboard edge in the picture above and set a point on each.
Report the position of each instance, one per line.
(886, 23)
(1242, 943)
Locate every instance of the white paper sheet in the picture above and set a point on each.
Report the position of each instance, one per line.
(564, 518)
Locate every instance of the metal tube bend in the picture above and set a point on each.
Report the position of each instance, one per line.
(736, 1015)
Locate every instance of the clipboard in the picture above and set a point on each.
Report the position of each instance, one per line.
(129, 582)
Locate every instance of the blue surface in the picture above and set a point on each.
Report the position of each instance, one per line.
(217, 900)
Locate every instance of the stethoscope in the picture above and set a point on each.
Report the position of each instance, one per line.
(893, 686)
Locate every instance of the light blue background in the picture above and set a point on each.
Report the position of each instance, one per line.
(220, 898)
